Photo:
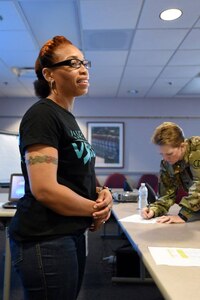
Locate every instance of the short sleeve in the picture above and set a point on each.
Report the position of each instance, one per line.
(40, 125)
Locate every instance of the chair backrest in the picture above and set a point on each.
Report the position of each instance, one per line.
(97, 182)
(115, 180)
(180, 194)
(151, 179)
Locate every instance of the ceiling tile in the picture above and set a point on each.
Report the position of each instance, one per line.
(14, 86)
(192, 41)
(128, 44)
(27, 82)
(16, 40)
(197, 24)
(180, 71)
(143, 71)
(166, 39)
(112, 14)
(49, 18)
(10, 17)
(106, 58)
(149, 58)
(139, 85)
(162, 88)
(102, 83)
(5, 72)
(191, 88)
(185, 57)
(19, 58)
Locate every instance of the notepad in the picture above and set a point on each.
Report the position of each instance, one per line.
(138, 219)
(172, 256)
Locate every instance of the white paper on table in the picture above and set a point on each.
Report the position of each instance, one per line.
(137, 219)
(185, 257)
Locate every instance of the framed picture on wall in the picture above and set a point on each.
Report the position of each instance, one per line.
(107, 140)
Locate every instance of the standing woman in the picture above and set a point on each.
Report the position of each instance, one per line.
(179, 168)
(47, 233)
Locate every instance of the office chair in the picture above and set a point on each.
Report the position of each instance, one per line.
(180, 194)
(151, 179)
(115, 180)
(97, 182)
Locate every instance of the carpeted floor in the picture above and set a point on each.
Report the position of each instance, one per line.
(100, 268)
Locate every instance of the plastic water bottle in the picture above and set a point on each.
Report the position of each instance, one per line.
(143, 195)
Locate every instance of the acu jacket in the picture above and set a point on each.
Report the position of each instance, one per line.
(185, 174)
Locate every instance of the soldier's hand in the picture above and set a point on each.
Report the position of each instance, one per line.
(170, 220)
(147, 213)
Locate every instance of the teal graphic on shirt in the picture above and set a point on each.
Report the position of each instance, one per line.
(77, 134)
(83, 146)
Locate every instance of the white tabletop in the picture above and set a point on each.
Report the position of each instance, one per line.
(5, 212)
(175, 283)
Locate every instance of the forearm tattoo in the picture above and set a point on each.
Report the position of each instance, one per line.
(41, 159)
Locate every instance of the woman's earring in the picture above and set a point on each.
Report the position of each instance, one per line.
(52, 86)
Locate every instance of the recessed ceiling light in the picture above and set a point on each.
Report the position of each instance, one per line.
(171, 14)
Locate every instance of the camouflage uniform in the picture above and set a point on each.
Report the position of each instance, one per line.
(186, 174)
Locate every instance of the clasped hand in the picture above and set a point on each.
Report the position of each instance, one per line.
(102, 208)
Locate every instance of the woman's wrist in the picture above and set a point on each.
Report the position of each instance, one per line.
(100, 188)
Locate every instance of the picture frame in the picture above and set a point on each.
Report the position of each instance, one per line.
(107, 140)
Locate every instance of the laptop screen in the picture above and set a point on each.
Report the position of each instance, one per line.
(16, 190)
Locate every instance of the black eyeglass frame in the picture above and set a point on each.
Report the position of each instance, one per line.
(86, 63)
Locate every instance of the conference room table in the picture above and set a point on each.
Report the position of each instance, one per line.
(174, 282)
(5, 217)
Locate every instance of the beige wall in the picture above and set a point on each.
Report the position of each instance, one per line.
(140, 117)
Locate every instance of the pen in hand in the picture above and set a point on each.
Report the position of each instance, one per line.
(148, 205)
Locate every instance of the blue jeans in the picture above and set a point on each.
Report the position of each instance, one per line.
(52, 269)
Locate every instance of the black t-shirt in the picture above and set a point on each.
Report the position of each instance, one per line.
(49, 124)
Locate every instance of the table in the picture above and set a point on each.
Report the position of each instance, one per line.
(5, 216)
(175, 283)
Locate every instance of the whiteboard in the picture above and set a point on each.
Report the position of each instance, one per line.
(9, 156)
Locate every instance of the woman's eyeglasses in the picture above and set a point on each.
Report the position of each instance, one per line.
(74, 63)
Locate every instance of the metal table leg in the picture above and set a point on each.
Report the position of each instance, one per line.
(7, 267)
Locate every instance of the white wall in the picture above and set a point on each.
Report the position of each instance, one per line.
(140, 117)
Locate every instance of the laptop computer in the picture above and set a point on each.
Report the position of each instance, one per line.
(16, 190)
